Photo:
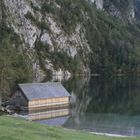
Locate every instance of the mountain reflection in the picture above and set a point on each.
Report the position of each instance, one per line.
(105, 105)
(105, 95)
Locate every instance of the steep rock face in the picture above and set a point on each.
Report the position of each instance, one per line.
(64, 37)
(98, 3)
(137, 9)
(36, 27)
(121, 9)
(16, 13)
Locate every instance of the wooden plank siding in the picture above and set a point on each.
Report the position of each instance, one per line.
(19, 99)
(53, 103)
(35, 96)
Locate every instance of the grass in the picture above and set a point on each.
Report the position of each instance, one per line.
(18, 129)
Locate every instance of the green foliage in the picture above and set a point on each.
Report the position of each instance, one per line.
(62, 60)
(48, 7)
(35, 8)
(40, 24)
(30, 16)
(15, 66)
(69, 13)
(59, 59)
(114, 44)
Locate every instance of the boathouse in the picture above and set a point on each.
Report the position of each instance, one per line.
(36, 96)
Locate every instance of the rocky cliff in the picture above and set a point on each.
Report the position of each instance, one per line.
(71, 37)
(38, 27)
(123, 9)
(137, 9)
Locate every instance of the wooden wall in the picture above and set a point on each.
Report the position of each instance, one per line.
(49, 102)
(18, 99)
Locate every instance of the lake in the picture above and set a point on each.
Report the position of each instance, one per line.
(98, 104)
(105, 105)
(102, 105)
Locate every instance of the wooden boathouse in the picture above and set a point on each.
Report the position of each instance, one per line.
(35, 96)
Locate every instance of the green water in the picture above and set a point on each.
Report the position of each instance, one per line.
(101, 104)
(105, 105)
(105, 95)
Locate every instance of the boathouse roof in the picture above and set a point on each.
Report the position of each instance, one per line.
(34, 91)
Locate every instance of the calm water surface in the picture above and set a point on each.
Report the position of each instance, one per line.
(103, 105)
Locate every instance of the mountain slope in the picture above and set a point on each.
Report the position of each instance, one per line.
(72, 37)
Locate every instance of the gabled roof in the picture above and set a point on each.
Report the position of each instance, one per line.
(35, 91)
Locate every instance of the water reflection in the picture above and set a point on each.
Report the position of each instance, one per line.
(1, 112)
(59, 121)
(107, 123)
(47, 114)
(55, 117)
(105, 95)
(105, 105)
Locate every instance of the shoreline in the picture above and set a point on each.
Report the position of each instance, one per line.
(74, 130)
(43, 132)
(101, 134)
(111, 135)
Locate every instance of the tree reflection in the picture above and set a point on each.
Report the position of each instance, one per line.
(105, 105)
(105, 95)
